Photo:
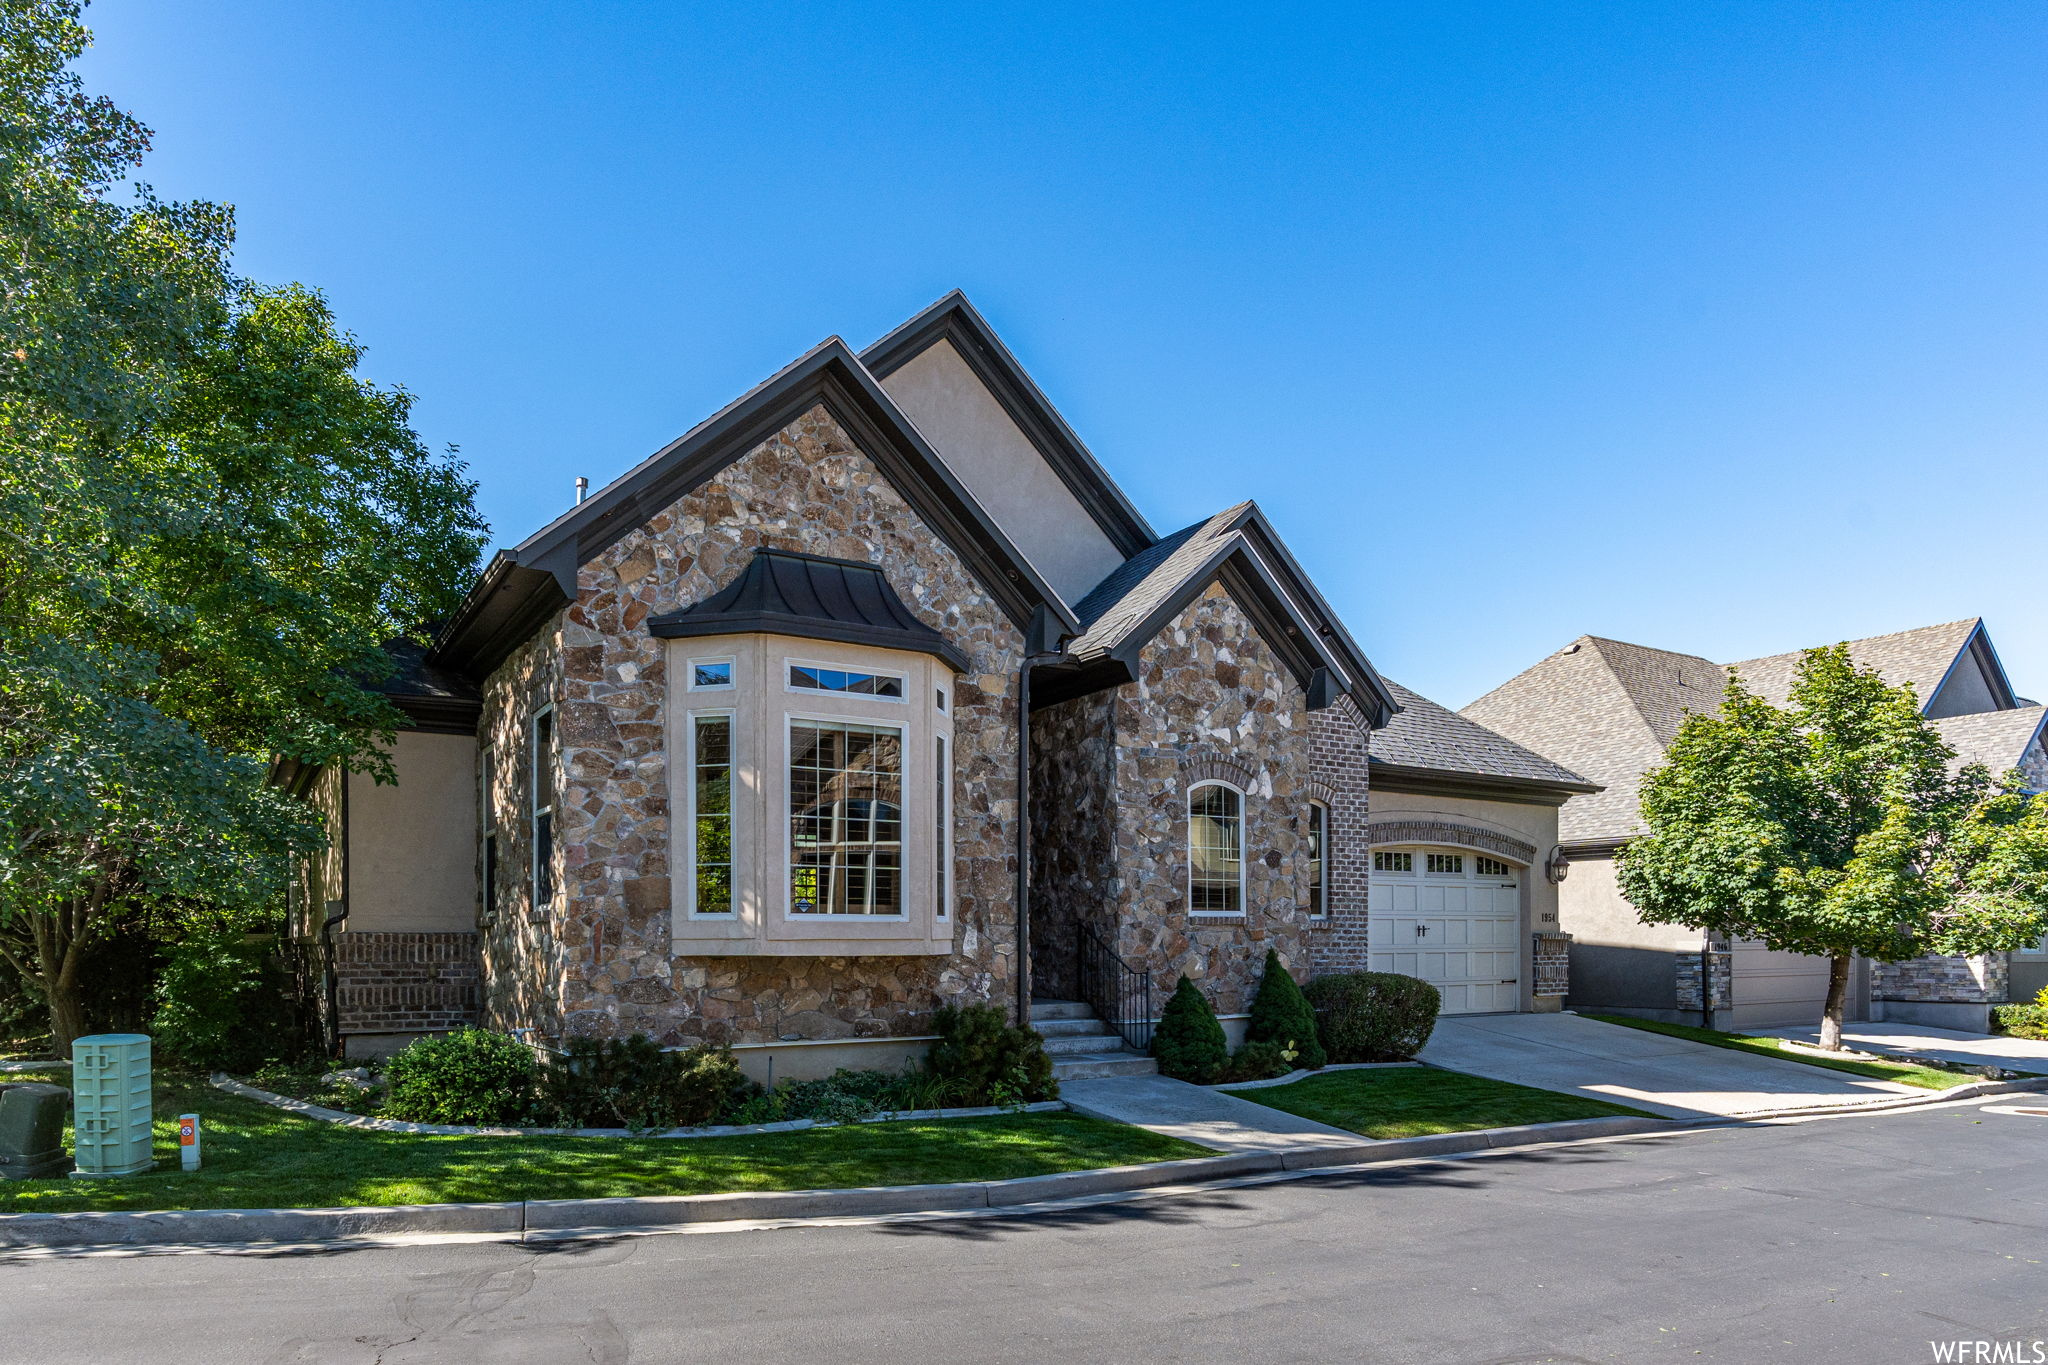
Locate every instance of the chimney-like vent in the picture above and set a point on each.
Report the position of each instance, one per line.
(582, 489)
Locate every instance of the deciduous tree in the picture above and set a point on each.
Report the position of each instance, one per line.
(1834, 826)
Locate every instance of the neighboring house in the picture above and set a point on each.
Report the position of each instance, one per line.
(731, 752)
(1609, 710)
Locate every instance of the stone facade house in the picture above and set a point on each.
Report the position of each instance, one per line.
(1609, 709)
(767, 741)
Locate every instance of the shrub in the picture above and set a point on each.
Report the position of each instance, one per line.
(2023, 1021)
(1189, 1042)
(468, 1076)
(224, 1002)
(987, 1060)
(1282, 1017)
(633, 1083)
(848, 1097)
(1261, 1061)
(1373, 1016)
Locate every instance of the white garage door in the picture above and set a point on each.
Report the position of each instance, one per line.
(1453, 918)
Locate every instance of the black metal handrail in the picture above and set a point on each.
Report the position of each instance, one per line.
(1120, 993)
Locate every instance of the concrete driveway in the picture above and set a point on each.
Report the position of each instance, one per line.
(1950, 1045)
(1646, 1071)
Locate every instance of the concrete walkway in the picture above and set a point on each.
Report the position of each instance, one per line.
(1919, 1040)
(1191, 1113)
(1647, 1071)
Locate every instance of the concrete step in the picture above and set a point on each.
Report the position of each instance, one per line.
(1061, 1009)
(1103, 1041)
(1083, 1066)
(1069, 1028)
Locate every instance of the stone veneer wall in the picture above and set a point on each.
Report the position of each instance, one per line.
(1211, 700)
(2034, 766)
(1941, 980)
(599, 962)
(1688, 979)
(405, 982)
(1073, 836)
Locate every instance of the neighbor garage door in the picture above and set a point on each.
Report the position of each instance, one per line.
(1453, 918)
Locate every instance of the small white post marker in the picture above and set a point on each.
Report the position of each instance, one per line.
(188, 1141)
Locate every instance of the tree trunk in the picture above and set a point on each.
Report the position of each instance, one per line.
(1838, 999)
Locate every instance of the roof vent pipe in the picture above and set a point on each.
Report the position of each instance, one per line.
(582, 489)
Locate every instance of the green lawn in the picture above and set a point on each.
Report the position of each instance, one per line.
(1416, 1101)
(260, 1157)
(1904, 1073)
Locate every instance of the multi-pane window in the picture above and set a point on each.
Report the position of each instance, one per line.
(1491, 867)
(543, 778)
(487, 816)
(845, 818)
(814, 679)
(941, 840)
(1318, 859)
(710, 675)
(1393, 862)
(1447, 864)
(1215, 850)
(711, 814)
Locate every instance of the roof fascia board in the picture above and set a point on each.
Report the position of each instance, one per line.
(1397, 777)
(1356, 670)
(828, 375)
(954, 319)
(1980, 645)
(1252, 586)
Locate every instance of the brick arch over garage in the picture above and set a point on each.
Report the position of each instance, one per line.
(1456, 835)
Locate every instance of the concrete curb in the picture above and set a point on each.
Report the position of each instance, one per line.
(342, 1117)
(555, 1219)
(1974, 1090)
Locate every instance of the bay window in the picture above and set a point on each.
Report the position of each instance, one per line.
(812, 792)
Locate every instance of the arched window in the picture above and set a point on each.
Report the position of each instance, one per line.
(1215, 850)
(1318, 859)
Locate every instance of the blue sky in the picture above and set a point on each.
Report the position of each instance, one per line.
(1712, 327)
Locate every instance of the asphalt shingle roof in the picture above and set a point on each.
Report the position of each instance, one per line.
(1116, 605)
(1997, 739)
(1921, 657)
(1609, 709)
(1425, 735)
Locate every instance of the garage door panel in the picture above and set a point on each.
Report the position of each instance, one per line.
(1451, 927)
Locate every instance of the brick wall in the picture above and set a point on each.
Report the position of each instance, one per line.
(405, 982)
(1553, 964)
(1338, 739)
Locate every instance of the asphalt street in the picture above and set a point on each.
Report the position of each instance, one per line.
(1855, 1239)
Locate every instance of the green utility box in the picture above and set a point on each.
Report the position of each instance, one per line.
(32, 1130)
(110, 1104)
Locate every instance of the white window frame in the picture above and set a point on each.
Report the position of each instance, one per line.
(732, 869)
(487, 828)
(790, 663)
(1319, 828)
(533, 775)
(942, 821)
(786, 882)
(1188, 813)
(732, 668)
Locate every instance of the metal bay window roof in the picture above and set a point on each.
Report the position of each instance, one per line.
(814, 598)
